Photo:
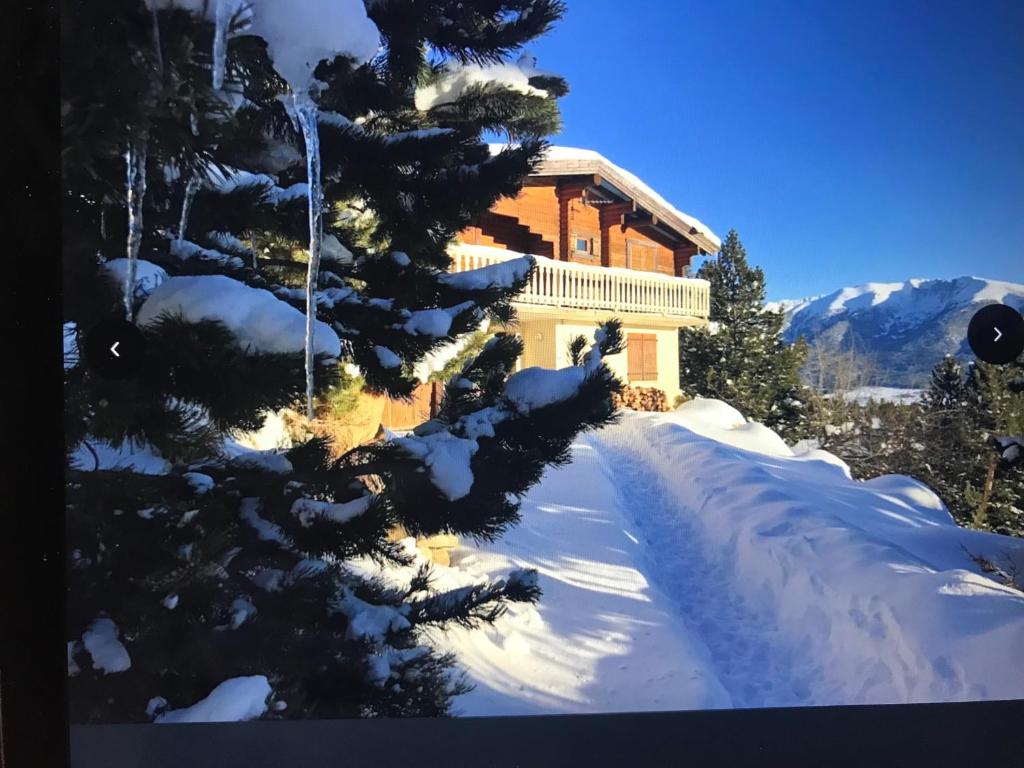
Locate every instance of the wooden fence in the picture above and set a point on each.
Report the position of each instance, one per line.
(406, 414)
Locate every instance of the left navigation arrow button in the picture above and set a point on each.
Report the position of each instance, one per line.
(114, 349)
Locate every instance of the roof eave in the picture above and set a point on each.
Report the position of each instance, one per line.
(706, 241)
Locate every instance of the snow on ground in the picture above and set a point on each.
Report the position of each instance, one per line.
(603, 638)
(240, 698)
(861, 395)
(693, 560)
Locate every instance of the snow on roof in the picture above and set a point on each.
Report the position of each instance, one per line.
(574, 159)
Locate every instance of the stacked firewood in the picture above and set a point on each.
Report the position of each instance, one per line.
(641, 399)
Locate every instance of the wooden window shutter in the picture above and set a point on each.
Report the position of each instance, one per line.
(650, 358)
(642, 356)
(635, 356)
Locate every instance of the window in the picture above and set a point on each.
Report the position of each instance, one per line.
(585, 246)
(640, 255)
(642, 356)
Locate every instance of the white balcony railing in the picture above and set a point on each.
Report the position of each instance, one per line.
(581, 286)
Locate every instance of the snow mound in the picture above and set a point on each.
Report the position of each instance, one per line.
(261, 322)
(867, 581)
(722, 422)
(688, 561)
(240, 698)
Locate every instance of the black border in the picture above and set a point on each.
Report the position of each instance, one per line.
(33, 666)
(971, 734)
(33, 673)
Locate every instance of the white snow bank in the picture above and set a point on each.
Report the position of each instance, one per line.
(107, 652)
(240, 698)
(603, 637)
(682, 569)
(861, 395)
(718, 420)
(261, 322)
(867, 583)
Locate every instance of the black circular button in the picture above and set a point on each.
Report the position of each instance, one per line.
(114, 349)
(996, 334)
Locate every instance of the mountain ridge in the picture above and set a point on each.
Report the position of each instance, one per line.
(904, 327)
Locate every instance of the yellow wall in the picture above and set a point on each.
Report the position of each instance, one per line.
(552, 351)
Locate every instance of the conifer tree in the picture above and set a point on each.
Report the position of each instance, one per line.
(944, 430)
(994, 492)
(269, 196)
(741, 358)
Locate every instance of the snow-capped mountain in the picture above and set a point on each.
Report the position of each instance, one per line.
(904, 327)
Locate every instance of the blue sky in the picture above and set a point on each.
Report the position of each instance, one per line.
(846, 142)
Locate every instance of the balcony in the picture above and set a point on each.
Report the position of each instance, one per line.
(581, 286)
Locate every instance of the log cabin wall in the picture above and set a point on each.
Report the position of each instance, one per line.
(548, 216)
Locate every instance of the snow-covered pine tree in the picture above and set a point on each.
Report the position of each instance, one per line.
(943, 432)
(965, 413)
(208, 159)
(742, 358)
(994, 493)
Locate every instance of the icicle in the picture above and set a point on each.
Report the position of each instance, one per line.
(135, 159)
(222, 18)
(156, 44)
(306, 112)
(186, 204)
(103, 222)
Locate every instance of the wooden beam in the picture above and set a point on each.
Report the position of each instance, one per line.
(638, 219)
(614, 210)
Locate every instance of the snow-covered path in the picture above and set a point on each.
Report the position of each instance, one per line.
(751, 659)
(693, 560)
(603, 637)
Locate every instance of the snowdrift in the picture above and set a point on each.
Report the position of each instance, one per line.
(693, 560)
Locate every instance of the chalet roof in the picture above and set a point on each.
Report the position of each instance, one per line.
(568, 161)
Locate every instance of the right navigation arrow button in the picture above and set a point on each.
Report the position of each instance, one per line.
(996, 334)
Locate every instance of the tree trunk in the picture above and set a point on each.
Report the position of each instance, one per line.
(981, 513)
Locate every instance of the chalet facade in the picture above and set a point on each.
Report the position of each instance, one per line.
(606, 245)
